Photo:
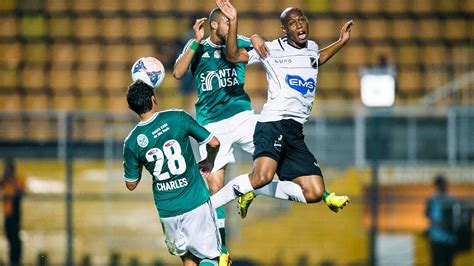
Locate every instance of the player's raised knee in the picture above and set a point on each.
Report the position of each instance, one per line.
(260, 179)
(314, 196)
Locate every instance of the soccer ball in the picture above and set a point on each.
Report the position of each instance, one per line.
(149, 70)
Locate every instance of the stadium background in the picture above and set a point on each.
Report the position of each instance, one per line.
(64, 67)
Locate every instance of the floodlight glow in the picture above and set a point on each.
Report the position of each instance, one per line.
(377, 90)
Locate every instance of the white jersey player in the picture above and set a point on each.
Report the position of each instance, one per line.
(291, 75)
(291, 63)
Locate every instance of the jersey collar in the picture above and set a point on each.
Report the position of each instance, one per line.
(144, 123)
(213, 45)
(284, 41)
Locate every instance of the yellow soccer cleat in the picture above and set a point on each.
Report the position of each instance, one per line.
(243, 203)
(336, 202)
(224, 259)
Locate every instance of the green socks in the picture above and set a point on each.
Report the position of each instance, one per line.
(221, 225)
(325, 195)
(207, 262)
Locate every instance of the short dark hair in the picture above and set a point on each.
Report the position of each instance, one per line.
(440, 182)
(139, 97)
(284, 14)
(215, 14)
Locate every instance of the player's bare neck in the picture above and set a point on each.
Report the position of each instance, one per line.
(147, 116)
(297, 45)
(216, 40)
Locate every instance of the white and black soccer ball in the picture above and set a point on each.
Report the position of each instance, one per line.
(149, 70)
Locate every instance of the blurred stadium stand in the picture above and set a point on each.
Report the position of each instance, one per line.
(71, 59)
(71, 55)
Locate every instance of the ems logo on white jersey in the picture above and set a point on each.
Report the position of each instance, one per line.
(299, 84)
(205, 55)
(142, 140)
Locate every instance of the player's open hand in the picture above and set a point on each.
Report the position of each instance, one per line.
(198, 28)
(346, 31)
(227, 9)
(259, 45)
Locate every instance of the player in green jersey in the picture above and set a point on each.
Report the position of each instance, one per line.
(223, 107)
(160, 143)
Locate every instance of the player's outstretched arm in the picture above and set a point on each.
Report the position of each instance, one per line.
(233, 53)
(326, 53)
(259, 45)
(184, 60)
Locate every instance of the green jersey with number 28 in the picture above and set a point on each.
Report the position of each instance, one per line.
(162, 146)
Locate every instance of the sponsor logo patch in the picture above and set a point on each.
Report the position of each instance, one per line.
(299, 84)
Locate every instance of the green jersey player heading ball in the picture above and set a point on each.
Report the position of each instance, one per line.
(160, 143)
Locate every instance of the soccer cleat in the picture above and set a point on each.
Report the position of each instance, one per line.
(243, 203)
(336, 202)
(224, 259)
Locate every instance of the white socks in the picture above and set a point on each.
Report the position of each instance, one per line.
(285, 190)
(240, 185)
(235, 188)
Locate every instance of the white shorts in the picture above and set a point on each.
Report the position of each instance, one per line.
(237, 129)
(195, 231)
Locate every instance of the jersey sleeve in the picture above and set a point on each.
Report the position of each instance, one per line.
(243, 42)
(315, 47)
(185, 48)
(253, 57)
(198, 132)
(132, 168)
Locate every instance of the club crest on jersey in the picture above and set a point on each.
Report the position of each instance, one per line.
(299, 84)
(142, 140)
